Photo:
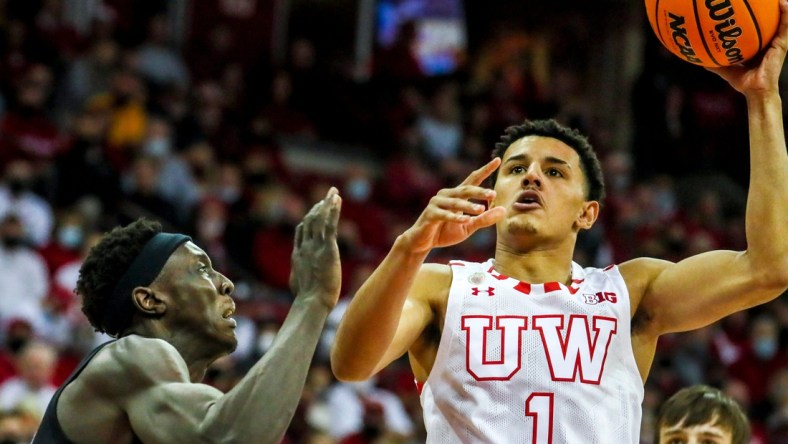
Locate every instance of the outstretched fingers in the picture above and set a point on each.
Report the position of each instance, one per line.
(334, 207)
(481, 174)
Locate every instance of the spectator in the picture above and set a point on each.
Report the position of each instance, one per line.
(701, 414)
(761, 360)
(27, 130)
(156, 60)
(17, 427)
(142, 195)
(23, 275)
(362, 413)
(32, 389)
(17, 197)
(89, 75)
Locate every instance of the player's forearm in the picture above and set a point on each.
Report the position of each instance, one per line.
(260, 407)
(767, 202)
(371, 320)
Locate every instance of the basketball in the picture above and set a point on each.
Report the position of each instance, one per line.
(714, 33)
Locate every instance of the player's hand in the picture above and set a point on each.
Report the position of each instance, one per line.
(451, 217)
(315, 266)
(760, 76)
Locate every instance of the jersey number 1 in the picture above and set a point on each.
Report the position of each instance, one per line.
(539, 406)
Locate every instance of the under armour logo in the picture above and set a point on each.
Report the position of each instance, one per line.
(476, 290)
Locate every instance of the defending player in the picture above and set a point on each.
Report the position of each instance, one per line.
(172, 314)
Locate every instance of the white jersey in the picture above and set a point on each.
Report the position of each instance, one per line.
(534, 363)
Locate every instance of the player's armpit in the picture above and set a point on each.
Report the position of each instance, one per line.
(696, 291)
(177, 412)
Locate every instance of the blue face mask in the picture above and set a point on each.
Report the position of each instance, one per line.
(70, 236)
(765, 348)
(158, 147)
(358, 190)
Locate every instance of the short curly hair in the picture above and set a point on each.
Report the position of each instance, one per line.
(105, 265)
(589, 162)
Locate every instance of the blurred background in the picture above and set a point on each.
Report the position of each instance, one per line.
(227, 119)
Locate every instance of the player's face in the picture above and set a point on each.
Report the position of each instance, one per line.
(199, 299)
(542, 185)
(707, 433)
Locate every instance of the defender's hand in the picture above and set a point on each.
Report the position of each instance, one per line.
(760, 76)
(315, 266)
(450, 216)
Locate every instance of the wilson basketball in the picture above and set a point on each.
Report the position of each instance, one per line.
(714, 32)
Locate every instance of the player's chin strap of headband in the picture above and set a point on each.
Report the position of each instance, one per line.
(142, 271)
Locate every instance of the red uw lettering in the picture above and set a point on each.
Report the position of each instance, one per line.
(569, 351)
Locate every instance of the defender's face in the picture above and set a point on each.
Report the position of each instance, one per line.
(707, 433)
(199, 299)
(542, 185)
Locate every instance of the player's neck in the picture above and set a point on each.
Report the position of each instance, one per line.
(535, 266)
(192, 351)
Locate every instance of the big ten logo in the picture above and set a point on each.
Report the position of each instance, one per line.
(599, 297)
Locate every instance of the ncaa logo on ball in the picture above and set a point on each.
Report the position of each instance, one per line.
(679, 35)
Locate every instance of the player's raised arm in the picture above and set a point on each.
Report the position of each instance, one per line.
(391, 308)
(266, 399)
(702, 289)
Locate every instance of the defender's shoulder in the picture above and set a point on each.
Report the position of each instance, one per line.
(138, 361)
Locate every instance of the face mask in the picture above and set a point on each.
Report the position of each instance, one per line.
(15, 344)
(18, 186)
(359, 190)
(229, 194)
(70, 236)
(765, 348)
(12, 242)
(275, 213)
(158, 147)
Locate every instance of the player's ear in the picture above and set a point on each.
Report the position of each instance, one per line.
(587, 215)
(148, 302)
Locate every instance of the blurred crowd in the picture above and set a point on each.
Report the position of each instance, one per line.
(128, 117)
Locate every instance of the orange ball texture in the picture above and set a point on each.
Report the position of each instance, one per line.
(714, 32)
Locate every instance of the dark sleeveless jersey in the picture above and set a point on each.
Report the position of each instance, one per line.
(50, 431)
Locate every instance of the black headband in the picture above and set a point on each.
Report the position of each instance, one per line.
(142, 271)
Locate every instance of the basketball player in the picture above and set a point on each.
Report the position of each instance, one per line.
(701, 414)
(530, 347)
(172, 314)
